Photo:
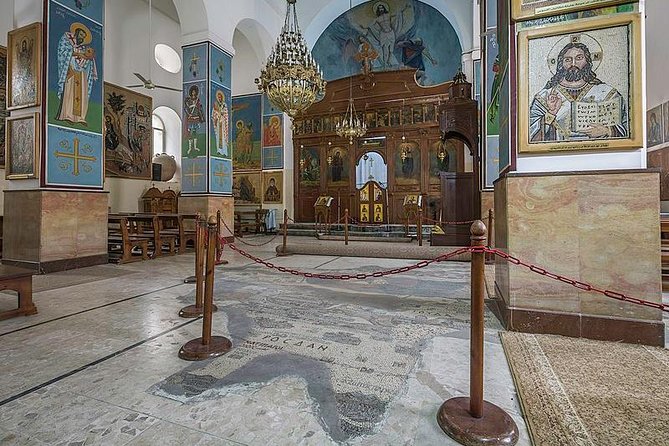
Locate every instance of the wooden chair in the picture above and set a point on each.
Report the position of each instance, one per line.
(149, 225)
(121, 244)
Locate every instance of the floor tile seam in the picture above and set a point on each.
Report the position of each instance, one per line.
(157, 419)
(163, 420)
(89, 282)
(94, 363)
(92, 309)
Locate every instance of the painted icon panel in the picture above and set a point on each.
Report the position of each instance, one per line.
(24, 62)
(128, 132)
(22, 147)
(246, 132)
(75, 70)
(272, 187)
(247, 187)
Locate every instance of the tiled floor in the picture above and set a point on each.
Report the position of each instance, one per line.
(99, 365)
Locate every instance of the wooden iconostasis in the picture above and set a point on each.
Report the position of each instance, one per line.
(402, 122)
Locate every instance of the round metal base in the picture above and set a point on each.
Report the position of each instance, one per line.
(494, 428)
(195, 350)
(190, 279)
(192, 311)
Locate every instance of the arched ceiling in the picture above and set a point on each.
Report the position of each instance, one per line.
(218, 19)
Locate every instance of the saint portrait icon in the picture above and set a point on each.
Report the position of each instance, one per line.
(575, 103)
(220, 119)
(579, 86)
(77, 73)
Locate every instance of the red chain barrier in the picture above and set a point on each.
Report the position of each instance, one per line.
(575, 283)
(478, 249)
(468, 222)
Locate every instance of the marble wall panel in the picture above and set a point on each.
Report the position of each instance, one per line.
(74, 225)
(620, 243)
(543, 230)
(21, 225)
(45, 226)
(600, 228)
(208, 205)
(501, 242)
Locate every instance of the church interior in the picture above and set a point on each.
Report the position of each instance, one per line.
(334, 222)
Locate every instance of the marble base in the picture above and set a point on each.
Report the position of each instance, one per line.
(55, 230)
(600, 228)
(208, 205)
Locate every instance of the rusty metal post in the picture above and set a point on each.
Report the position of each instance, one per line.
(471, 420)
(346, 226)
(207, 346)
(285, 230)
(419, 226)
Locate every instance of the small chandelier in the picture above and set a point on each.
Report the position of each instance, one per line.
(351, 126)
(291, 79)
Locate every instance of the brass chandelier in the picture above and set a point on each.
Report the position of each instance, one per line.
(352, 126)
(291, 79)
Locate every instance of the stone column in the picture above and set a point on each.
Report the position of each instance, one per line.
(58, 219)
(206, 156)
(580, 206)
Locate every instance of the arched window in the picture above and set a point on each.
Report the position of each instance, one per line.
(158, 135)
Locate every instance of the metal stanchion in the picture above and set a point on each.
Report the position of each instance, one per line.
(346, 226)
(207, 346)
(285, 230)
(200, 249)
(491, 228)
(192, 279)
(471, 420)
(219, 247)
(419, 226)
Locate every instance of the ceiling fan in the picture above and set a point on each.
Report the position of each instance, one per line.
(148, 83)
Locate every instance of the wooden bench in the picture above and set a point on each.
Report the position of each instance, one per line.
(664, 250)
(120, 243)
(174, 224)
(250, 220)
(21, 281)
(149, 225)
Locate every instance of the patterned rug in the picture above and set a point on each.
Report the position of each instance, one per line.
(354, 344)
(583, 392)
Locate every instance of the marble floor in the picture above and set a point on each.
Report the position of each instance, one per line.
(314, 362)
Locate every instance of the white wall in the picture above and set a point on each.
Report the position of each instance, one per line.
(127, 51)
(246, 66)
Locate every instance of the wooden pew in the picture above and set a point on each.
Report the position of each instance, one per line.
(120, 243)
(149, 225)
(250, 220)
(175, 224)
(21, 281)
(664, 240)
